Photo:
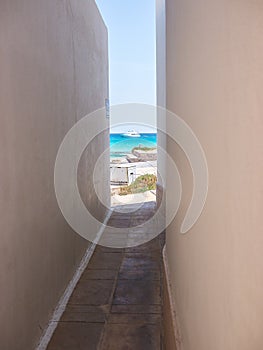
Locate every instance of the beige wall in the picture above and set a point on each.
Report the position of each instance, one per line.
(161, 93)
(215, 83)
(54, 70)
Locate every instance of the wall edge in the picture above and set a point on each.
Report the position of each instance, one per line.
(63, 301)
(172, 334)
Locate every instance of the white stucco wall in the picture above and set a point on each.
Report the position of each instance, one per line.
(54, 71)
(215, 83)
(161, 93)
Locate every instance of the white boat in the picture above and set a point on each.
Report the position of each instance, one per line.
(132, 133)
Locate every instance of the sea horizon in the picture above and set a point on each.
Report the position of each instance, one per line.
(121, 145)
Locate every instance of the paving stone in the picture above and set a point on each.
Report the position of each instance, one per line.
(92, 292)
(117, 303)
(87, 308)
(139, 264)
(85, 313)
(131, 337)
(137, 292)
(76, 336)
(136, 239)
(136, 309)
(103, 249)
(153, 245)
(114, 239)
(119, 223)
(99, 275)
(139, 222)
(144, 275)
(105, 261)
(148, 254)
(86, 317)
(141, 318)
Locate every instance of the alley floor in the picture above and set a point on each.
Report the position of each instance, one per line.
(117, 304)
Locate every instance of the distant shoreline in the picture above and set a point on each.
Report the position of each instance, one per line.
(143, 133)
(121, 145)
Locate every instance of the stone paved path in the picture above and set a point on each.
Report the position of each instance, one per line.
(117, 304)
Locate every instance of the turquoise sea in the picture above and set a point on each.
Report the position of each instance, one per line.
(121, 145)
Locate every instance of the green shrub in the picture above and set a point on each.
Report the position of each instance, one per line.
(142, 148)
(142, 184)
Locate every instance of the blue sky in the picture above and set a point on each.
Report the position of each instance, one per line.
(131, 27)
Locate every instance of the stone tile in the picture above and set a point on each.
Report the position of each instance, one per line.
(140, 263)
(87, 308)
(115, 240)
(131, 337)
(137, 239)
(76, 336)
(138, 223)
(136, 309)
(135, 318)
(121, 217)
(137, 292)
(147, 254)
(119, 223)
(105, 261)
(92, 292)
(153, 245)
(104, 249)
(85, 317)
(84, 313)
(144, 275)
(99, 275)
(138, 229)
(104, 316)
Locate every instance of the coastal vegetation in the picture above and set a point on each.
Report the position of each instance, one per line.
(142, 184)
(142, 148)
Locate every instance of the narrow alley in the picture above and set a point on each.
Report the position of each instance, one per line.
(117, 303)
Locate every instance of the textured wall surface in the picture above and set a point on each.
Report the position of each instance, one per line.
(215, 83)
(54, 71)
(161, 95)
